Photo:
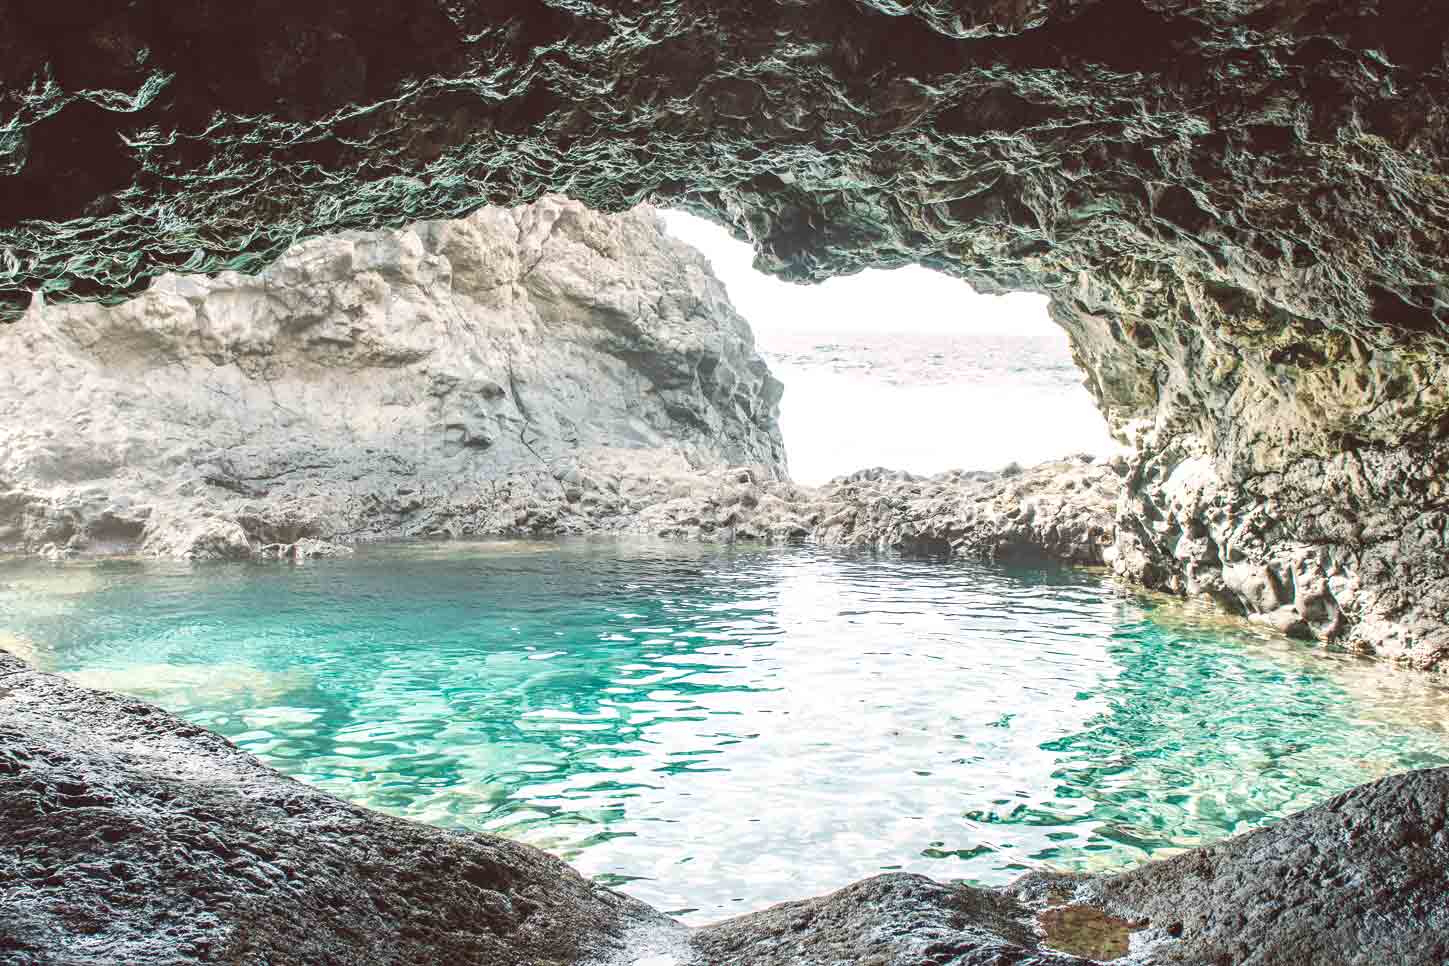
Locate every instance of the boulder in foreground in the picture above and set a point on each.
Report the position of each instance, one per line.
(128, 835)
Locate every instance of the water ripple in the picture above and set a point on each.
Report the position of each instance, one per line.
(709, 727)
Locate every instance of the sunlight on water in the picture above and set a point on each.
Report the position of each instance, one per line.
(715, 730)
(929, 403)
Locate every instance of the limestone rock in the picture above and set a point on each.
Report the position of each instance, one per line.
(430, 381)
(1062, 510)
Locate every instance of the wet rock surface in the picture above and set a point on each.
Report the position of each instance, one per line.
(890, 920)
(1360, 879)
(128, 835)
(1060, 510)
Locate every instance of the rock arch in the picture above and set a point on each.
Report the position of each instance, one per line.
(1239, 209)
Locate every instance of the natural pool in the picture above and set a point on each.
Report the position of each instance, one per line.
(717, 729)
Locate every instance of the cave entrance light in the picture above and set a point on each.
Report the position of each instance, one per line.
(908, 369)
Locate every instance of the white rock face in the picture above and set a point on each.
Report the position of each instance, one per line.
(447, 378)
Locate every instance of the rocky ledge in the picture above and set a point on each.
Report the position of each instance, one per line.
(1062, 510)
(540, 371)
(128, 835)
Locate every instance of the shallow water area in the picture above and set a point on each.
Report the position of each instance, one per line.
(717, 729)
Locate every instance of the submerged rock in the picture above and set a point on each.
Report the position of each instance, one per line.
(128, 835)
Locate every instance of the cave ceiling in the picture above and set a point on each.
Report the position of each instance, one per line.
(1274, 167)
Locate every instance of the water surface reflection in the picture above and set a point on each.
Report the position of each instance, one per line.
(706, 726)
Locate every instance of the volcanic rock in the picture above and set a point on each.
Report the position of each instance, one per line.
(130, 836)
(1239, 208)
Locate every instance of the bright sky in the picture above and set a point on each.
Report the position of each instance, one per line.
(911, 299)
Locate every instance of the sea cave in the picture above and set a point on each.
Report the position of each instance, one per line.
(392, 509)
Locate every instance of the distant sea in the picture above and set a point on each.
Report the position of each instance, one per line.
(929, 402)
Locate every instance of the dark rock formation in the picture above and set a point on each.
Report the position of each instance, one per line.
(130, 836)
(1238, 207)
(1361, 879)
(890, 920)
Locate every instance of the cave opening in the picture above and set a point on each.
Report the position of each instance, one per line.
(1239, 211)
(908, 369)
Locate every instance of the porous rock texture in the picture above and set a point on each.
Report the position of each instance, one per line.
(128, 835)
(1061, 510)
(1360, 879)
(1237, 207)
(442, 379)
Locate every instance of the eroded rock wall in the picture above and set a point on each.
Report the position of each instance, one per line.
(1348, 548)
(446, 378)
(1239, 209)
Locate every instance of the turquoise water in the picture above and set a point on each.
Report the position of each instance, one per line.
(715, 730)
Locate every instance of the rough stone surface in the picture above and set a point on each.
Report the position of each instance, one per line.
(128, 835)
(889, 920)
(1238, 207)
(1061, 510)
(443, 379)
(1362, 879)
(1352, 548)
